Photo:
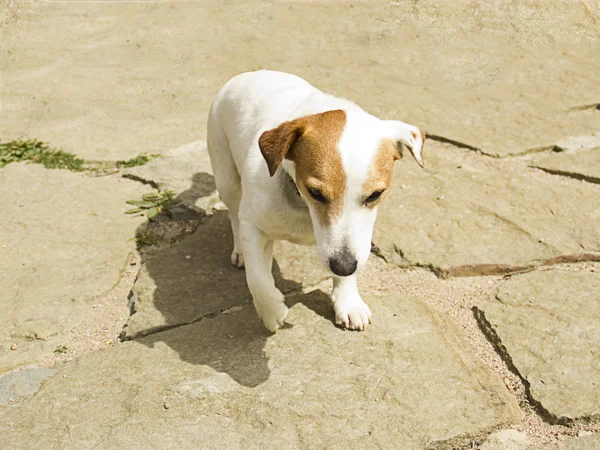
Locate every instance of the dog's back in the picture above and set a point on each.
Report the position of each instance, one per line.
(248, 103)
(253, 102)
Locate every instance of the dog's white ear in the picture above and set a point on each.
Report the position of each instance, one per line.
(275, 144)
(409, 135)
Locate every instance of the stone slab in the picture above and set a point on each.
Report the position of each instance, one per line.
(409, 381)
(63, 242)
(194, 278)
(467, 216)
(580, 443)
(503, 83)
(584, 164)
(22, 383)
(548, 323)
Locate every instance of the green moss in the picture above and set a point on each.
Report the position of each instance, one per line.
(38, 152)
(145, 239)
(139, 160)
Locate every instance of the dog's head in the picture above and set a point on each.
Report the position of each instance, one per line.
(342, 162)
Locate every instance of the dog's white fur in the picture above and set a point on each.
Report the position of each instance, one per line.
(261, 207)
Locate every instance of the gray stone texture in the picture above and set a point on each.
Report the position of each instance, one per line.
(547, 324)
(22, 383)
(408, 382)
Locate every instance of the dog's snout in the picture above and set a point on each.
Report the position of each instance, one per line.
(343, 263)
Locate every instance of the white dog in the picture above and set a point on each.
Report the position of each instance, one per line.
(291, 162)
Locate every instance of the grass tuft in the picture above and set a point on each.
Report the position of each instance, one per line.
(60, 349)
(38, 152)
(144, 239)
(139, 160)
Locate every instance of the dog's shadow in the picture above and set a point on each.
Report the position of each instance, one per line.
(196, 282)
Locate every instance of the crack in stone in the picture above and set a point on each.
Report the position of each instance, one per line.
(507, 269)
(593, 106)
(488, 331)
(211, 315)
(130, 176)
(159, 329)
(377, 252)
(574, 175)
(446, 140)
(490, 334)
(484, 270)
(438, 272)
(548, 148)
(131, 301)
(530, 151)
(474, 270)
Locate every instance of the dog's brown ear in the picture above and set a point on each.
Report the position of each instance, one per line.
(408, 135)
(275, 144)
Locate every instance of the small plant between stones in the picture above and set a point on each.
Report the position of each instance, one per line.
(35, 151)
(153, 204)
(38, 152)
(145, 239)
(139, 160)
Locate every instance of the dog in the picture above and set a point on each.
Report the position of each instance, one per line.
(291, 162)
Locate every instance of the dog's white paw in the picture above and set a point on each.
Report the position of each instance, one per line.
(353, 315)
(237, 258)
(273, 314)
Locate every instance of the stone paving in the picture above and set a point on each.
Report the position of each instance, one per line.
(485, 277)
(546, 323)
(486, 217)
(409, 383)
(64, 243)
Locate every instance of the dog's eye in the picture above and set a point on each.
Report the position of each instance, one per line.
(373, 197)
(317, 195)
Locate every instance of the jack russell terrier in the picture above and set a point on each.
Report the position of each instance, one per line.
(291, 162)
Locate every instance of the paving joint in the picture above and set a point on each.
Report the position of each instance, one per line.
(573, 175)
(551, 419)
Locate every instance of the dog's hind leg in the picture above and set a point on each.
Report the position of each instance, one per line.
(228, 183)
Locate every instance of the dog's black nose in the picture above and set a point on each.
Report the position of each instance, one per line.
(343, 263)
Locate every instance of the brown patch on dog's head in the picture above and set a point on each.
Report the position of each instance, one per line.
(380, 172)
(311, 142)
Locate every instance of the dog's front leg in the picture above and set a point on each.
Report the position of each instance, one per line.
(258, 258)
(350, 309)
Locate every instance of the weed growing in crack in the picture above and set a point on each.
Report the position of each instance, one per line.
(38, 152)
(139, 160)
(153, 204)
(144, 239)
